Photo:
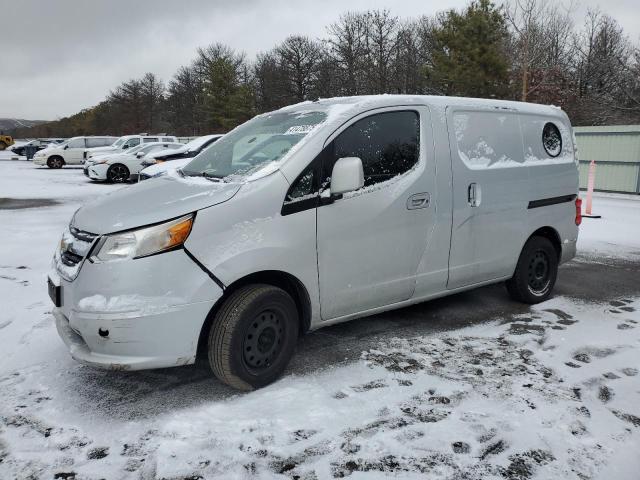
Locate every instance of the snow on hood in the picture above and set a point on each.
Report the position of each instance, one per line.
(166, 166)
(151, 201)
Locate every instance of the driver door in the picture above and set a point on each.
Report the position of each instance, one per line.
(370, 241)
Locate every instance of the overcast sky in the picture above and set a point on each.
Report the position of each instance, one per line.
(59, 56)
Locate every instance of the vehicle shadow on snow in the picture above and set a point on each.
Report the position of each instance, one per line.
(154, 392)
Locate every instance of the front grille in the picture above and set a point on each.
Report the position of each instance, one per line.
(82, 235)
(74, 247)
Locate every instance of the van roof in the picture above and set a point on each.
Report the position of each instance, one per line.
(365, 102)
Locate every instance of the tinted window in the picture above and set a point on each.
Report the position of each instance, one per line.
(132, 142)
(167, 139)
(303, 187)
(387, 143)
(150, 139)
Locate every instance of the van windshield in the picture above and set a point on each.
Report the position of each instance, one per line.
(253, 145)
(118, 142)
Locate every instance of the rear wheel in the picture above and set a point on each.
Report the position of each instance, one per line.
(535, 273)
(118, 173)
(55, 162)
(253, 336)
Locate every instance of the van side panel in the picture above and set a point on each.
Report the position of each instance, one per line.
(551, 178)
(488, 159)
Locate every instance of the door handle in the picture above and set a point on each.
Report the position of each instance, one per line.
(418, 200)
(474, 195)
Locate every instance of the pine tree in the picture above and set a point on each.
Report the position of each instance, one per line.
(469, 52)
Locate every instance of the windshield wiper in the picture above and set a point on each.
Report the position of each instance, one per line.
(213, 177)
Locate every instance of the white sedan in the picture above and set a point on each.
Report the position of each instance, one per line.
(122, 167)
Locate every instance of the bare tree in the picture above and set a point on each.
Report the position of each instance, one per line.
(541, 38)
(348, 48)
(381, 39)
(299, 58)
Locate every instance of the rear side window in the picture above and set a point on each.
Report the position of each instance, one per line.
(77, 143)
(387, 143)
(167, 139)
(487, 139)
(150, 139)
(96, 142)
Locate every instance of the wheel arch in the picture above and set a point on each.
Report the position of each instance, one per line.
(550, 234)
(286, 281)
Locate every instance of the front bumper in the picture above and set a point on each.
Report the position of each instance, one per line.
(135, 343)
(97, 171)
(135, 314)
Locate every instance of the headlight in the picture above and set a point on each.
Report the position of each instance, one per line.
(144, 241)
(99, 162)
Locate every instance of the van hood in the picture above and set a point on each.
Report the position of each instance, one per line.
(151, 201)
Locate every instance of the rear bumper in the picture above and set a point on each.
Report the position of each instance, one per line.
(568, 251)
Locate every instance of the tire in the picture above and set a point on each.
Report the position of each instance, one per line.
(55, 162)
(253, 336)
(118, 173)
(3, 146)
(535, 273)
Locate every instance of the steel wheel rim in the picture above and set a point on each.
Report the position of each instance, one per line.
(539, 272)
(264, 340)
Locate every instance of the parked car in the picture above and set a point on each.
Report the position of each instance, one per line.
(70, 152)
(160, 168)
(187, 151)
(342, 208)
(128, 141)
(123, 167)
(38, 144)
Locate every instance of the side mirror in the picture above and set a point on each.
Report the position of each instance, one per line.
(65, 147)
(140, 154)
(347, 175)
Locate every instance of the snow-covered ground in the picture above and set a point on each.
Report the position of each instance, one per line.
(552, 391)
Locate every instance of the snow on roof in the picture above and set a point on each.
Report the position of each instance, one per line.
(362, 102)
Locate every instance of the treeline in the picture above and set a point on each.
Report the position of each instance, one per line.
(530, 50)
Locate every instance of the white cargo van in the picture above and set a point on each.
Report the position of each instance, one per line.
(70, 152)
(315, 214)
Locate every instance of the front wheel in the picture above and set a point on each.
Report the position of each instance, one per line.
(535, 273)
(118, 173)
(253, 336)
(3, 146)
